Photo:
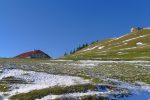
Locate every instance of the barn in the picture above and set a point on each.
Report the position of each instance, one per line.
(33, 54)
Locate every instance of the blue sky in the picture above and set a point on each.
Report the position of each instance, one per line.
(58, 26)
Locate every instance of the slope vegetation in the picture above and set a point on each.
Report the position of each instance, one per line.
(132, 46)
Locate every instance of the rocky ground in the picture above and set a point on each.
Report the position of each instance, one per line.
(66, 79)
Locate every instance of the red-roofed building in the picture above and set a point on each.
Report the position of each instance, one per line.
(33, 54)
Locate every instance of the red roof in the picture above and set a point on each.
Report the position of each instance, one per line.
(27, 54)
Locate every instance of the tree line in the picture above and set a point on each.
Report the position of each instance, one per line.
(79, 48)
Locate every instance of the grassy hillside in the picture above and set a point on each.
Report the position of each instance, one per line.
(133, 46)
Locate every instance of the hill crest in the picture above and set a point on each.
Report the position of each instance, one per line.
(132, 46)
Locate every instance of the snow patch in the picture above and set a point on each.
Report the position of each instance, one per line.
(121, 37)
(90, 48)
(122, 53)
(83, 64)
(51, 97)
(135, 38)
(139, 43)
(62, 60)
(38, 80)
(134, 47)
(101, 47)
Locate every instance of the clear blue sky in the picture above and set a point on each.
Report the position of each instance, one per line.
(58, 26)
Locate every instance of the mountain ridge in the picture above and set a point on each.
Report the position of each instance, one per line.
(132, 46)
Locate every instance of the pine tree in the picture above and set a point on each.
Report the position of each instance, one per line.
(79, 48)
(86, 44)
(65, 54)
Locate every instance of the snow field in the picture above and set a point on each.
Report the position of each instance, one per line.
(38, 80)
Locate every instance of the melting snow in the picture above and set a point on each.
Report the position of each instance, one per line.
(43, 80)
(134, 47)
(141, 92)
(135, 38)
(139, 43)
(121, 37)
(51, 97)
(98, 61)
(90, 48)
(122, 53)
(39, 80)
(101, 47)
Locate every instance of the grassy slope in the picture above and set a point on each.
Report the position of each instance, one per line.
(117, 49)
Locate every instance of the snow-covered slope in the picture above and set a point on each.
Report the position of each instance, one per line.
(132, 46)
(36, 80)
(32, 79)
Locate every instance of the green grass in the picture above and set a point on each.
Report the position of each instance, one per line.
(112, 47)
(53, 90)
(124, 71)
(12, 80)
(94, 80)
(97, 80)
(4, 87)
